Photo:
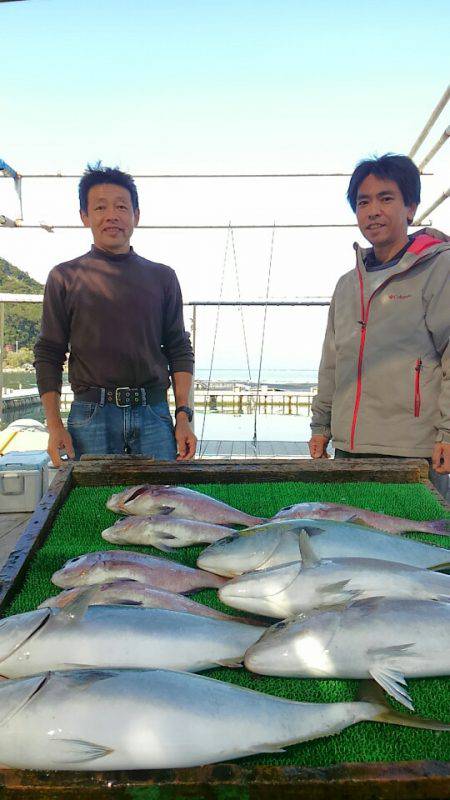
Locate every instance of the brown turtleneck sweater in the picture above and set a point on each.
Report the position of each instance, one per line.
(122, 317)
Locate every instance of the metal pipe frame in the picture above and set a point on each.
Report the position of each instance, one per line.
(429, 124)
(434, 149)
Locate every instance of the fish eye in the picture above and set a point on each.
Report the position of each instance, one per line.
(226, 540)
(74, 560)
(287, 508)
(279, 626)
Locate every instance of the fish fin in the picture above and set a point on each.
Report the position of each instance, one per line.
(394, 651)
(338, 589)
(355, 520)
(76, 751)
(370, 692)
(232, 663)
(367, 603)
(444, 567)
(308, 556)
(75, 610)
(313, 530)
(265, 748)
(393, 682)
(165, 510)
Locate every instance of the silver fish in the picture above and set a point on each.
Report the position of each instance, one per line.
(387, 640)
(311, 583)
(278, 543)
(166, 533)
(120, 636)
(108, 565)
(156, 719)
(181, 502)
(125, 592)
(382, 522)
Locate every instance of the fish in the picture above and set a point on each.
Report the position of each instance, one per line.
(134, 593)
(166, 533)
(108, 565)
(385, 639)
(157, 719)
(302, 586)
(278, 543)
(186, 503)
(81, 635)
(382, 522)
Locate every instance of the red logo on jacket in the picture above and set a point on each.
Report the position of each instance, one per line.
(399, 296)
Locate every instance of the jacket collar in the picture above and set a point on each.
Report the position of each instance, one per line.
(425, 243)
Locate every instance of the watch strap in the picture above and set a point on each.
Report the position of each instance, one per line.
(188, 411)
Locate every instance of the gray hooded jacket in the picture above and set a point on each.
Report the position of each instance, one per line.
(384, 377)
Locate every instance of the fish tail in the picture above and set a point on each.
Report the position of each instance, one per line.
(370, 692)
(441, 526)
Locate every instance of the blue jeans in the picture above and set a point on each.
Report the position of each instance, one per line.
(108, 429)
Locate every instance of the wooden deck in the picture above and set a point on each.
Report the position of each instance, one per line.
(11, 527)
(218, 448)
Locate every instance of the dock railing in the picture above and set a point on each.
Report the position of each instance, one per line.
(263, 400)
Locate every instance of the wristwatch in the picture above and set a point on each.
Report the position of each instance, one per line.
(188, 411)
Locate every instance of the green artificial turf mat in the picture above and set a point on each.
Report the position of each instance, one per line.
(84, 515)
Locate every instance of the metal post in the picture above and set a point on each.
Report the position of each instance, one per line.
(2, 325)
(437, 203)
(434, 149)
(440, 106)
(192, 390)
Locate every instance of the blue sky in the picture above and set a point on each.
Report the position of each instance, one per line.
(195, 84)
(214, 86)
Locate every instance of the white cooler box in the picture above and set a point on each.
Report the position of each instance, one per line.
(23, 480)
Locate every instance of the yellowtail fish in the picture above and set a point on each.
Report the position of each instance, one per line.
(156, 719)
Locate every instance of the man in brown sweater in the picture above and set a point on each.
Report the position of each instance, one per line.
(121, 316)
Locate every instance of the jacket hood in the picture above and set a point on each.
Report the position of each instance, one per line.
(425, 239)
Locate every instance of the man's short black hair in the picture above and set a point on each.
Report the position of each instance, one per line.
(98, 174)
(399, 169)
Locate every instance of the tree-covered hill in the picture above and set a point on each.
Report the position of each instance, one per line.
(22, 320)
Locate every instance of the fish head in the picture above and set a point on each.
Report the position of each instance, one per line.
(261, 591)
(234, 555)
(295, 647)
(16, 630)
(118, 502)
(122, 527)
(75, 571)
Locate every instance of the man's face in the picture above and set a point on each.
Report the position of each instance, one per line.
(382, 215)
(110, 217)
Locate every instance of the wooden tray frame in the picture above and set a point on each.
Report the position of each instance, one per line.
(410, 780)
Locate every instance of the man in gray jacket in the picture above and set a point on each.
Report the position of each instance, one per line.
(384, 378)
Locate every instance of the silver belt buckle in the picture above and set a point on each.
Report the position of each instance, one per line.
(128, 396)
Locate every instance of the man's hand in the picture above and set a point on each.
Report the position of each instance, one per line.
(440, 459)
(185, 438)
(318, 446)
(59, 439)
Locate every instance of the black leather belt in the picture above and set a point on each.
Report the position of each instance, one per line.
(124, 396)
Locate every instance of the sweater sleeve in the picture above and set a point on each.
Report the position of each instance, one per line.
(176, 342)
(53, 341)
(437, 318)
(321, 405)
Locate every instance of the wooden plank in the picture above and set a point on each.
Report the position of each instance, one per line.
(129, 471)
(408, 780)
(35, 532)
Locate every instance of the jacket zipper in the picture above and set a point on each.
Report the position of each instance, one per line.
(417, 369)
(363, 322)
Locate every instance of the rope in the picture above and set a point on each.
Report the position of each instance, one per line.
(215, 336)
(255, 438)
(240, 305)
